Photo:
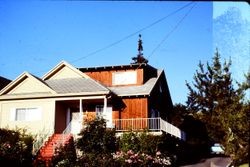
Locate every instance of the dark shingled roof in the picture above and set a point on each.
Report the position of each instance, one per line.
(4, 82)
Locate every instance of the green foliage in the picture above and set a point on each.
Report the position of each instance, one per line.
(132, 159)
(100, 147)
(179, 113)
(129, 141)
(15, 147)
(142, 142)
(214, 101)
(93, 160)
(65, 155)
(96, 138)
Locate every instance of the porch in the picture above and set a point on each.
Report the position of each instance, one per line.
(135, 124)
(153, 125)
(149, 124)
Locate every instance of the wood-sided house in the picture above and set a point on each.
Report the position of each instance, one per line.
(127, 96)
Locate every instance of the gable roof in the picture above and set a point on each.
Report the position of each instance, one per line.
(69, 81)
(66, 79)
(54, 72)
(76, 85)
(137, 90)
(19, 81)
(116, 67)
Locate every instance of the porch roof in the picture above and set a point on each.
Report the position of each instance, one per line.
(137, 90)
(76, 85)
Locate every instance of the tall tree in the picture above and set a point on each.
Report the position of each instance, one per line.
(214, 101)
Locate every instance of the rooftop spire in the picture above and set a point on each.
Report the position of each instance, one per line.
(139, 58)
(140, 47)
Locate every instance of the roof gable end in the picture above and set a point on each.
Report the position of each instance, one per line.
(26, 83)
(64, 71)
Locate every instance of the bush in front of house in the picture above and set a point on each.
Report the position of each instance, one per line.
(140, 142)
(65, 155)
(16, 147)
(130, 158)
(99, 146)
(95, 144)
(96, 139)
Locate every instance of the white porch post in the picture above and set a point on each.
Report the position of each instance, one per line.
(68, 116)
(105, 105)
(80, 111)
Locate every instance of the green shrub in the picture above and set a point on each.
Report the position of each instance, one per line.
(16, 147)
(96, 138)
(140, 142)
(65, 155)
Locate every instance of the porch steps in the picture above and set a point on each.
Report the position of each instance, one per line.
(47, 151)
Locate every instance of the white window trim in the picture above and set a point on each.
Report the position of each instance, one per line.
(30, 115)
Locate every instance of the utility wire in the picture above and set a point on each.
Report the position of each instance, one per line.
(168, 34)
(135, 33)
(132, 34)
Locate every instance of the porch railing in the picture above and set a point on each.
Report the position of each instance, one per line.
(68, 132)
(151, 124)
(40, 139)
(171, 129)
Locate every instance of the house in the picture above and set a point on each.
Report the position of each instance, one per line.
(57, 105)
(66, 96)
(137, 91)
(129, 97)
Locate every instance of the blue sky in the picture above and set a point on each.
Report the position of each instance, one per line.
(37, 35)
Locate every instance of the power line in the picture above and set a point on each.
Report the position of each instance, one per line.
(132, 34)
(169, 33)
(135, 33)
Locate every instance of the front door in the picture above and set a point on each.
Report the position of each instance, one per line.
(105, 115)
(75, 123)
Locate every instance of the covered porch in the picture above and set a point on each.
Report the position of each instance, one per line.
(71, 113)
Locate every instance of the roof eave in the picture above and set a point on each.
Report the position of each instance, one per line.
(113, 67)
(59, 95)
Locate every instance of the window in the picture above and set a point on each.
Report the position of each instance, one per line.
(124, 78)
(20, 114)
(27, 114)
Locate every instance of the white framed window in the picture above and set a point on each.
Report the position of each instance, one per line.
(124, 78)
(26, 114)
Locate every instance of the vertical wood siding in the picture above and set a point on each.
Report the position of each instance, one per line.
(105, 77)
(135, 108)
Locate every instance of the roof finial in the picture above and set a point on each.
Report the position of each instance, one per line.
(139, 58)
(140, 47)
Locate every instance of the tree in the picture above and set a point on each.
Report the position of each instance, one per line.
(214, 101)
(178, 114)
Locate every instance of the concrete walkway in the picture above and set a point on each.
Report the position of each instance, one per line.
(213, 162)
